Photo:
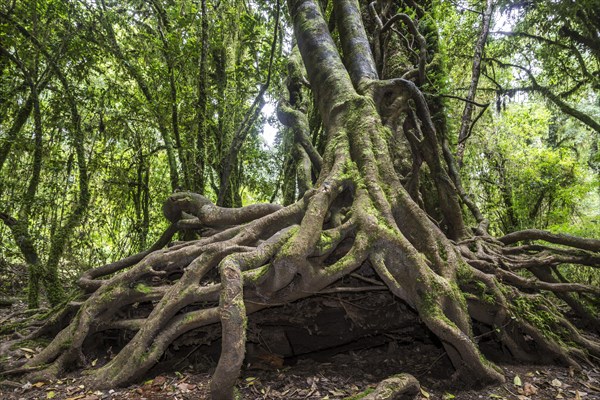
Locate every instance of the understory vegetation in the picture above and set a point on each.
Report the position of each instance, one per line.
(172, 170)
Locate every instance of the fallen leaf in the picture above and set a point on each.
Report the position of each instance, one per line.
(185, 387)
(72, 389)
(424, 393)
(159, 380)
(38, 384)
(517, 381)
(27, 350)
(529, 389)
(51, 394)
(448, 396)
(94, 362)
(556, 383)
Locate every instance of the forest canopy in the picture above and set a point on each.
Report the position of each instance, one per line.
(206, 158)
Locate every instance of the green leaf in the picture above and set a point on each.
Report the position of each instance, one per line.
(517, 381)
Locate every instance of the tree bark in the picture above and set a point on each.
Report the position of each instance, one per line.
(465, 124)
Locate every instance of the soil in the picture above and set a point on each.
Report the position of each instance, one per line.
(331, 375)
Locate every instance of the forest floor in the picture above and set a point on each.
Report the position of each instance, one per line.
(327, 375)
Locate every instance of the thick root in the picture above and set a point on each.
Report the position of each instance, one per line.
(397, 387)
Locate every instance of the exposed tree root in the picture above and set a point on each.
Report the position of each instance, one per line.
(280, 257)
(359, 215)
(397, 387)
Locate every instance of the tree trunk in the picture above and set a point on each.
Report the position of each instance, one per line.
(465, 124)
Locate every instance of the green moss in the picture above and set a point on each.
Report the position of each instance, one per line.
(239, 303)
(110, 293)
(188, 318)
(430, 306)
(142, 288)
(144, 356)
(442, 251)
(341, 264)
(539, 313)
(30, 343)
(488, 363)
(107, 294)
(256, 275)
(483, 293)
(382, 224)
(464, 273)
(360, 395)
(327, 240)
(458, 295)
(13, 327)
(66, 345)
(287, 246)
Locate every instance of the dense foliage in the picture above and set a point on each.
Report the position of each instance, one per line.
(160, 92)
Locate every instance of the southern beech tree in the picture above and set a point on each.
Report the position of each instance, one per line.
(384, 195)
